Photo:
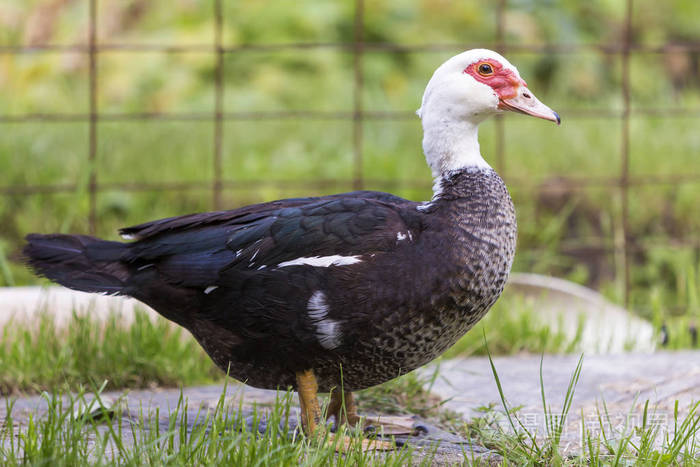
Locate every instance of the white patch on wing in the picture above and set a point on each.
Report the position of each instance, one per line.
(400, 236)
(327, 330)
(210, 289)
(318, 310)
(129, 237)
(108, 294)
(145, 266)
(322, 261)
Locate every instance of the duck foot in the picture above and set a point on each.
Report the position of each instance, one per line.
(311, 417)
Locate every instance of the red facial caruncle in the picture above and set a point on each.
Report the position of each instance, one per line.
(492, 73)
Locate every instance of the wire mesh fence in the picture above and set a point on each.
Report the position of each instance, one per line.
(359, 47)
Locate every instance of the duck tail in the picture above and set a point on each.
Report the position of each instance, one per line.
(78, 262)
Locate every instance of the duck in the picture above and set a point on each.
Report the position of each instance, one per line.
(332, 293)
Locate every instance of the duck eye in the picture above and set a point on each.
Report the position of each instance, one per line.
(485, 69)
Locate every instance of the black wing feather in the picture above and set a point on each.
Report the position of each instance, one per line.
(243, 215)
(194, 250)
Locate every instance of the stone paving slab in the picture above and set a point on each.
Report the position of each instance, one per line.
(625, 382)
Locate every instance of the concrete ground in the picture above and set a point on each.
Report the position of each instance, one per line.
(624, 382)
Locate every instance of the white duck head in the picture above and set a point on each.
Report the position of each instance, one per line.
(464, 91)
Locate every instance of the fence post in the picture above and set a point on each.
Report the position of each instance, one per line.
(218, 106)
(624, 149)
(92, 138)
(500, 124)
(357, 116)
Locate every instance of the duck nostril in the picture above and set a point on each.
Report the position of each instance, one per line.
(526, 95)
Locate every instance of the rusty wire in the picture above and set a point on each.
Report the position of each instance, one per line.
(622, 183)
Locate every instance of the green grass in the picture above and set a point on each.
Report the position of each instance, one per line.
(606, 443)
(64, 436)
(43, 356)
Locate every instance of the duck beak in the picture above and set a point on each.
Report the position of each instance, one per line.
(525, 102)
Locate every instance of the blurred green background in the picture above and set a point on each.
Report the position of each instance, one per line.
(567, 228)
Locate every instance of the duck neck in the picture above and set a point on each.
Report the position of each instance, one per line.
(451, 146)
